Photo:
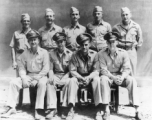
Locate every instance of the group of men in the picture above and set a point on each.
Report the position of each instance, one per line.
(95, 54)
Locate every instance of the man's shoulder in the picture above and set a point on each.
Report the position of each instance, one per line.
(42, 28)
(90, 24)
(135, 24)
(92, 52)
(106, 23)
(117, 25)
(82, 27)
(57, 27)
(43, 50)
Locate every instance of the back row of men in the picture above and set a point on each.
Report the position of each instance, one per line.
(111, 65)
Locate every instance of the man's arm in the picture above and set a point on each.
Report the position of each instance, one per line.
(73, 68)
(139, 37)
(46, 67)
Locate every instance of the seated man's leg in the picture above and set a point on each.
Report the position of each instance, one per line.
(14, 89)
(131, 84)
(103, 97)
(51, 99)
(70, 96)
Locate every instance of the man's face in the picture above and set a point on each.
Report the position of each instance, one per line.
(49, 17)
(75, 16)
(85, 46)
(126, 16)
(112, 46)
(61, 45)
(26, 22)
(34, 42)
(97, 16)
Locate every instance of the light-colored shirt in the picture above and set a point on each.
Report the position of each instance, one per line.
(19, 41)
(83, 66)
(132, 34)
(72, 32)
(59, 64)
(119, 64)
(47, 34)
(34, 64)
(97, 31)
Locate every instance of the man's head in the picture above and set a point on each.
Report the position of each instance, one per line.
(84, 41)
(97, 13)
(25, 20)
(74, 14)
(49, 16)
(125, 15)
(111, 39)
(60, 39)
(33, 38)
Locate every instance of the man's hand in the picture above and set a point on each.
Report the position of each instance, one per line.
(50, 81)
(119, 79)
(87, 80)
(14, 65)
(26, 81)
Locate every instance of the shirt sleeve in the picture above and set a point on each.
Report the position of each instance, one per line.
(139, 36)
(109, 28)
(12, 43)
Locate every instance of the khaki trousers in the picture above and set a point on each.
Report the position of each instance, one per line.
(51, 92)
(16, 85)
(104, 92)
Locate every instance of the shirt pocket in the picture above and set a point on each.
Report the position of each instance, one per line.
(39, 60)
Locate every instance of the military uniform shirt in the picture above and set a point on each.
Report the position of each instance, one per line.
(131, 34)
(19, 41)
(82, 66)
(98, 31)
(47, 34)
(120, 63)
(34, 64)
(59, 64)
(72, 33)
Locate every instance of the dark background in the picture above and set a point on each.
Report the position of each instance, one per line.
(10, 11)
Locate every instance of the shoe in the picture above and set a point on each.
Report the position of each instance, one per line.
(8, 111)
(51, 114)
(98, 116)
(138, 116)
(70, 115)
(106, 116)
(37, 115)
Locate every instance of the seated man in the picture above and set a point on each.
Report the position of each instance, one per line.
(33, 66)
(83, 70)
(58, 74)
(115, 69)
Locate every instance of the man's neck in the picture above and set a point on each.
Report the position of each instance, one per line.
(34, 50)
(126, 23)
(49, 26)
(98, 21)
(74, 23)
(25, 29)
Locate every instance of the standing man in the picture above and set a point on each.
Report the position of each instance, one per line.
(114, 67)
(73, 30)
(33, 67)
(83, 70)
(19, 41)
(97, 29)
(58, 74)
(131, 36)
(48, 30)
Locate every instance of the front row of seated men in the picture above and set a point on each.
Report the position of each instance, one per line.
(67, 69)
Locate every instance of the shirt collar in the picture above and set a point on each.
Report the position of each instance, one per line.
(76, 26)
(25, 32)
(64, 52)
(100, 23)
(38, 50)
(81, 56)
(52, 28)
(116, 52)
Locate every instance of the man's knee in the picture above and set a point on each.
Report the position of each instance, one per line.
(42, 82)
(96, 79)
(73, 80)
(131, 80)
(104, 80)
